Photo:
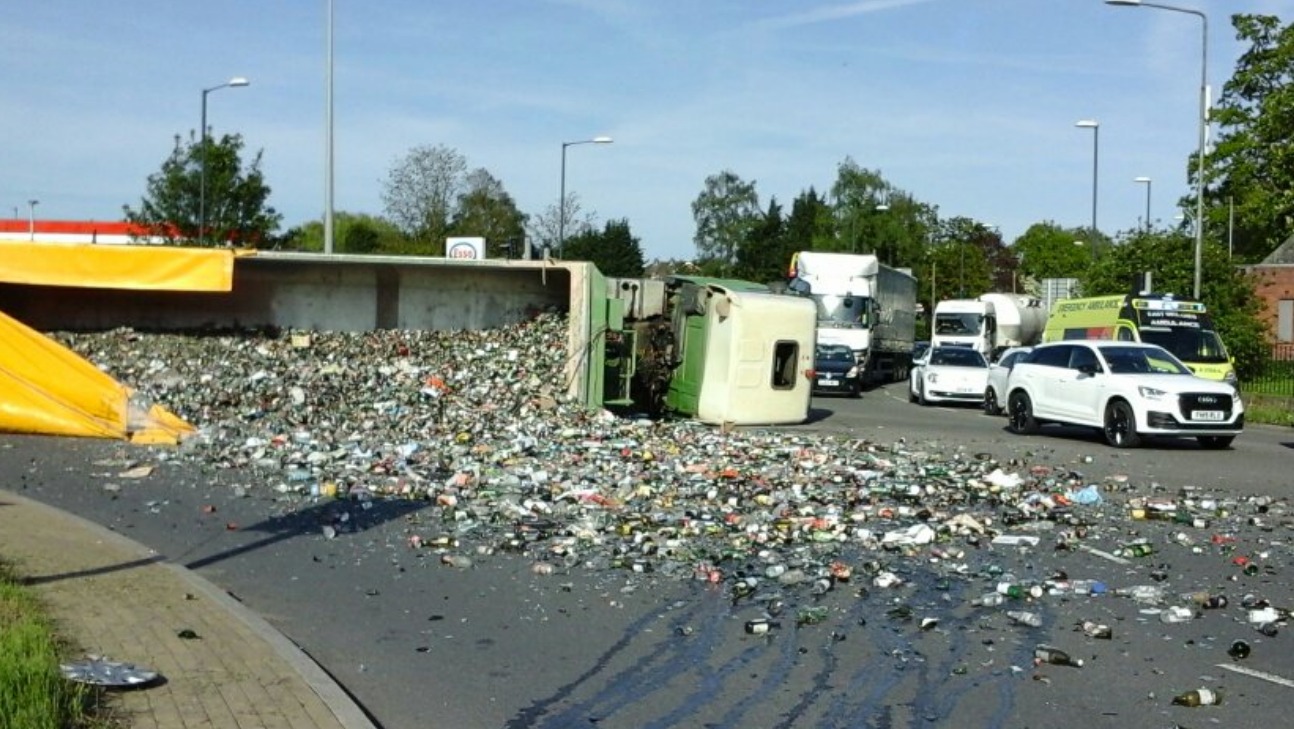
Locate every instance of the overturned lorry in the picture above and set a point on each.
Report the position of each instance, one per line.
(721, 351)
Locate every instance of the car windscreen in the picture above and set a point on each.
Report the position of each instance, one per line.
(957, 357)
(1142, 361)
(835, 354)
(1189, 345)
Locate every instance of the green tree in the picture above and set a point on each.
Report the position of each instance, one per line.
(1252, 163)
(725, 212)
(420, 193)
(1046, 250)
(765, 254)
(485, 209)
(1169, 257)
(614, 250)
(809, 226)
(352, 233)
(965, 254)
(236, 197)
(859, 203)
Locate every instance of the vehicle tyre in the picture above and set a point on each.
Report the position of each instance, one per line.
(1021, 421)
(912, 396)
(1120, 428)
(921, 396)
(991, 406)
(857, 392)
(1215, 442)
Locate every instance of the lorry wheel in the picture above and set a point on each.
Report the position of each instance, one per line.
(1021, 421)
(1215, 442)
(1120, 426)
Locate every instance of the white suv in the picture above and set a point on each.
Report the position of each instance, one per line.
(1126, 389)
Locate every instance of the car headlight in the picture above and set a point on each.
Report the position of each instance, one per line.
(1151, 393)
(853, 372)
(1231, 379)
(931, 377)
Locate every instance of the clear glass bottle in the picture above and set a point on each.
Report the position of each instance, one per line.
(1025, 617)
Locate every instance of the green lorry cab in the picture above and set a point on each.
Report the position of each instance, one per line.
(1180, 326)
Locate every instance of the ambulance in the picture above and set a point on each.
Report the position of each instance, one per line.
(1181, 326)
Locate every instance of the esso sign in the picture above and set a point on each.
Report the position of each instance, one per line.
(465, 249)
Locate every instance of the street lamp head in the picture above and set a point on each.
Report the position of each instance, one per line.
(603, 140)
(1087, 123)
(1132, 3)
(1141, 179)
(238, 81)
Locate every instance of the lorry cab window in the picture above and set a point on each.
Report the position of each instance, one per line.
(958, 323)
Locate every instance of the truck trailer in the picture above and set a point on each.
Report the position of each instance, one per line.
(862, 304)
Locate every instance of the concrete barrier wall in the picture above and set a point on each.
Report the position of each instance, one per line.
(326, 293)
(332, 293)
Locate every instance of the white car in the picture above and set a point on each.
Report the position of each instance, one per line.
(948, 374)
(1125, 389)
(995, 392)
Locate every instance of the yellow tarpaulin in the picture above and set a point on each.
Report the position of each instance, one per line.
(47, 389)
(155, 268)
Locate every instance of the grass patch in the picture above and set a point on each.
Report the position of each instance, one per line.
(1268, 410)
(33, 692)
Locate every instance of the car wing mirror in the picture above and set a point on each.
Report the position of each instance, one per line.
(1089, 369)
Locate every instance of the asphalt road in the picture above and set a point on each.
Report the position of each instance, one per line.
(424, 645)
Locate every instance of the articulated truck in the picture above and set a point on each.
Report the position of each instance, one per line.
(862, 304)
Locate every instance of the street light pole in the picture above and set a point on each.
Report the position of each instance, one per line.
(1146, 181)
(328, 135)
(31, 219)
(561, 202)
(1204, 122)
(202, 161)
(1096, 135)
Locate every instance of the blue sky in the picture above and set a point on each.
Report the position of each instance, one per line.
(969, 105)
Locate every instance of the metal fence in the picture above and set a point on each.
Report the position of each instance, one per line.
(1277, 377)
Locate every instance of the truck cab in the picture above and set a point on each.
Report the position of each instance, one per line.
(964, 323)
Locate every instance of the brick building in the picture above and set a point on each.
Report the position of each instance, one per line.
(1274, 283)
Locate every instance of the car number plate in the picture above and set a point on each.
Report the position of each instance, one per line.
(828, 383)
(1210, 415)
(965, 390)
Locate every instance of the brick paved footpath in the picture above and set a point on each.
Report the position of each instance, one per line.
(112, 597)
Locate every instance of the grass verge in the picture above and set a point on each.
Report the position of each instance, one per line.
(33, 692)
(1268, 409)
